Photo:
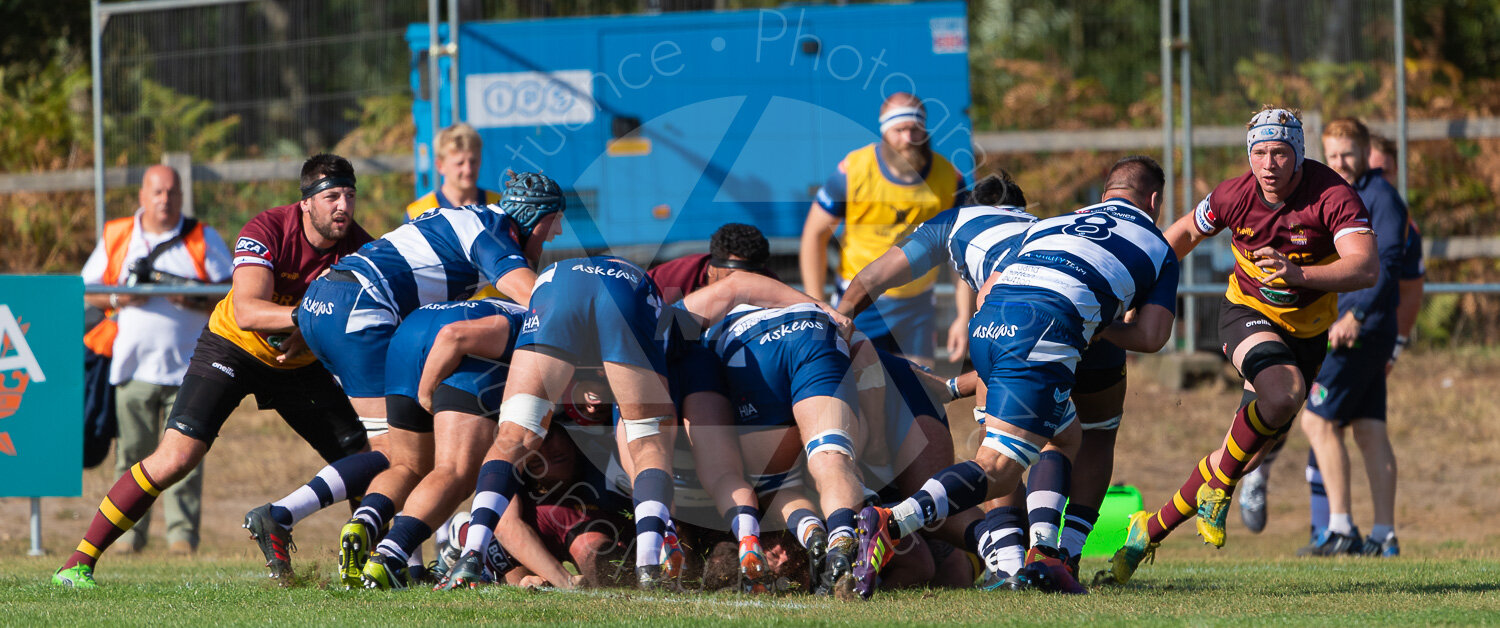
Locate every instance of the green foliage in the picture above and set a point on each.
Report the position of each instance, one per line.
(167, 121)
(44, 123)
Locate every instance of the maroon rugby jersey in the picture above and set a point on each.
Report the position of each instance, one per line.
(678, 277)
(1322, 208)
(274, 239)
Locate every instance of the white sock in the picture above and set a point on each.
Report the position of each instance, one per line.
(301, 502)
(1382, 532)
(1340, 522)
(908, 516)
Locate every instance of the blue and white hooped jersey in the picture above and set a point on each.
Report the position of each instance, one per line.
(748, 324)
(974, 238)
(1097, 262)
(442, 255)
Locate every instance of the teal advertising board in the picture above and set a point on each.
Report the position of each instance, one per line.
(41, 386)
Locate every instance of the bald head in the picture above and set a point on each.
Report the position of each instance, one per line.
(161, 199)
(901, 99)
(1138, 179)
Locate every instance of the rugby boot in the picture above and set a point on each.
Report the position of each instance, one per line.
(1253, 501)
(650, 577)
(671, 558)
(78, 576)
(1388, 548)
(1046, 570)
(1138, 547)
(275, 541)
(467, 573)
(753, 568)
(354, 552)
(817, 558)
(1213, 513)
(876, 546)
(1001, 581)
(385, 573)
(838, 571)
(1331, 543)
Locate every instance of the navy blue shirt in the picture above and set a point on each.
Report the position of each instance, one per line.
(1377, 304)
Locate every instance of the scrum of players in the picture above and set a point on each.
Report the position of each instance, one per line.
(702, 424)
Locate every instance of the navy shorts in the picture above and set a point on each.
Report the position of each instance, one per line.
(776, 370)
(349, 331)
(594, 310)
(1026, 355)
(1351, 384)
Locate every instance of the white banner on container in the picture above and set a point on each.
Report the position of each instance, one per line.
(530, 98)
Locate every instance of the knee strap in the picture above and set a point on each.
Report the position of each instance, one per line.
(836, 441)
(1110, 423)
(636, 429)
(1263, 356)
(528, 411)
(375, 425)
(1011, 447)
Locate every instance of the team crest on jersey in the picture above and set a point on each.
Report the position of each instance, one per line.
(1299, 238)
(250, 245)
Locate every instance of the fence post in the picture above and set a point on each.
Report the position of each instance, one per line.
(183, 164)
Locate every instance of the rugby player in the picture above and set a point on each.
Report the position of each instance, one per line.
(251, 346)
(1068, 280)
(1300, 234)
(349, 315)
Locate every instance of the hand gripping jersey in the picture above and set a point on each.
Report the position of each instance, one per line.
(1092, 265)
(974, 238)
(878, 211)
(274, 239)
(443, 255)
(1321, 210)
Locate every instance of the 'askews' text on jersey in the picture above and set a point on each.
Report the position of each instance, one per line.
(1099, 262)
(443, 255)
(747, 324)
(974, 238)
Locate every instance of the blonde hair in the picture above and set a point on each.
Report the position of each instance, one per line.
(459, 137)
(1349, 128)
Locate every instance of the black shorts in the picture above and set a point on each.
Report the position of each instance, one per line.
(1237, 322)
(221, 374)
(404, 413)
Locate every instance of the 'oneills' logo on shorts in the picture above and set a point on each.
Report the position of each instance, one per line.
(18, 369)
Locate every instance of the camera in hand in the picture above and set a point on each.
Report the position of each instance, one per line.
(141, 273)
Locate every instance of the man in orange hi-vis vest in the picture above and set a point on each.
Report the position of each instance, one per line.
(155, 335)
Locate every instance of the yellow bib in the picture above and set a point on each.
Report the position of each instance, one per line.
(879, 212)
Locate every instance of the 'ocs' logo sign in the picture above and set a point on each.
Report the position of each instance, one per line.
(18, 368)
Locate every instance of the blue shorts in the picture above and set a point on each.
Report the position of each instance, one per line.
(1351, 384)
(904, 327)
(776, 370)
(1026, 355)
(905, 399)
(349, 330)
(594, 310)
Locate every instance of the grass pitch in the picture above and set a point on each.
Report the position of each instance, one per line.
(1285, 591)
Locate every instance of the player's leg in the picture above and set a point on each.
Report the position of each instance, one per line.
(203, 404)
(409, 444)
(1099, 396)
(1326, 436)
(648, 419)
(1380, 465)
(535, 380)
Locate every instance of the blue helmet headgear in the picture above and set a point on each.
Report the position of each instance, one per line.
(528, 197)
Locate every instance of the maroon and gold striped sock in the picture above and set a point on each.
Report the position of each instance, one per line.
(1247, 436)
(1183, 506)
(127, 501)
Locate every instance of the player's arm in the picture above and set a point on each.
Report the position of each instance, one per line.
(812, 257)
(254, 288)
(713, 302)
(1184, 235)
(1357, 266)
(517, 285)
(521, 540)
(887, 271)
(1146, 331)
(958, 332)
(487, 337)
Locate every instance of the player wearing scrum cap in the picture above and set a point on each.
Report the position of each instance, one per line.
(880, 193)
(1300, 235)
(349, 315)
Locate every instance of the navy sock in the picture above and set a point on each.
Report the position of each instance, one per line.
(1046, 493)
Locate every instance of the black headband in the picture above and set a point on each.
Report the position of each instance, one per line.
(325, 183)
(737, 264)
